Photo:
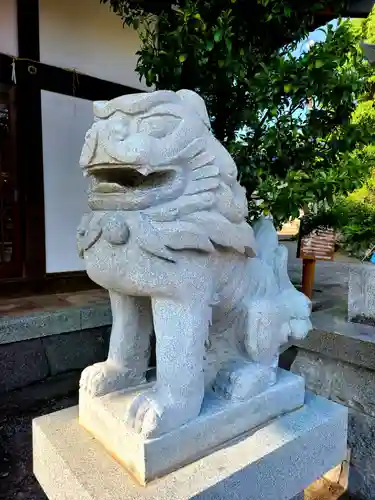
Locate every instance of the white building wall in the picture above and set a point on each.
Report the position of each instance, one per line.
(8, 27)
(86, 36)
(65, 122)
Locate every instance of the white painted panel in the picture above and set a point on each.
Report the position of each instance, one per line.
(8, 27)
(85, 35)
(65, 122)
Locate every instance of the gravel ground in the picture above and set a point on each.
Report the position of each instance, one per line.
(16, 478)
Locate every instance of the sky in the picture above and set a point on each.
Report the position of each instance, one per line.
(316, 36)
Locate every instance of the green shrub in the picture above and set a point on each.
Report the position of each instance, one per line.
(358, 233)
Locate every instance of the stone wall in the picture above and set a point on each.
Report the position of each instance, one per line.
(43, 353)
(36, 369)
(338, 362)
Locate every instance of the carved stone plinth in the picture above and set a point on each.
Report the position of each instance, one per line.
(361, 293)
(276, 462)
(219, 421)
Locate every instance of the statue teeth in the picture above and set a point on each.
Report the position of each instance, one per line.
(144, 170)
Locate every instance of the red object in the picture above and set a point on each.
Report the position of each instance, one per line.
(308, 276)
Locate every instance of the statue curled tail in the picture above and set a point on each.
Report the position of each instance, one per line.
(271, 312)
(276, 310)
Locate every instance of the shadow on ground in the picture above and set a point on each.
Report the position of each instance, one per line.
(16, 478)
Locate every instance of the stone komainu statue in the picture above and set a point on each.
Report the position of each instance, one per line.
(167, 236)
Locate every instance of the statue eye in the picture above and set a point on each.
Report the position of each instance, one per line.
(118, 128)
(159, 126)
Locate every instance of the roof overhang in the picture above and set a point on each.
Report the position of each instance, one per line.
(352, 8)
(359, 8)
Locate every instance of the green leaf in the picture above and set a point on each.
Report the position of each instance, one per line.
(209, 45)
(218, 36)
(318, 64)
(182, 58)
(287, 87)
(221, 63)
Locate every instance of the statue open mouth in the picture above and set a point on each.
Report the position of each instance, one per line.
(107, 179)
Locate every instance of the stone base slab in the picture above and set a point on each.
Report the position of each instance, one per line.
(276, 462)
(361, 292)
(353, 386)
(219, 421)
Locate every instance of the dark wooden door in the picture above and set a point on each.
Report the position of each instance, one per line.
(10, 220)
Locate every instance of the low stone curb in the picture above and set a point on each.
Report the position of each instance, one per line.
(54, 322)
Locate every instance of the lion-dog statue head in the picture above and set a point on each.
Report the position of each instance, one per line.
(154, 153)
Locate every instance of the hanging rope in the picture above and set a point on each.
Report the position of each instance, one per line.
(33, 70)
(14, 76)
(75, 81)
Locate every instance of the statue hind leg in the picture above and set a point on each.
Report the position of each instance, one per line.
(255, 369)
(128, 354)
(276, 311)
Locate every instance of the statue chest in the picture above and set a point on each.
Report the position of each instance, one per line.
(111, 227)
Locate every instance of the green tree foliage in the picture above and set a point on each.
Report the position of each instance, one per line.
(239, 56)
(354, 215)
(368, 28)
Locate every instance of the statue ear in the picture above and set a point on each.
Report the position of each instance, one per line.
(196, 102)
(102, 109)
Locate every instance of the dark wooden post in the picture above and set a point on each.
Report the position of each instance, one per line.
(318, 244)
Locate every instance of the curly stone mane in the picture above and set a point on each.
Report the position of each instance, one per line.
(208, 211)
(213, 206)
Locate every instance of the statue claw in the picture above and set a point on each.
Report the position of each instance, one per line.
(103, 378)
(152, 413)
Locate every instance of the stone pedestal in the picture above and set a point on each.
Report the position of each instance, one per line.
(276, 462)
(337, 360)
(219, 421)
(361, 293)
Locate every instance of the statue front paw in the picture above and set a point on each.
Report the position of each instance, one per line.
(103, 378)
(240, 380)
(153, 413)
(300, 327)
